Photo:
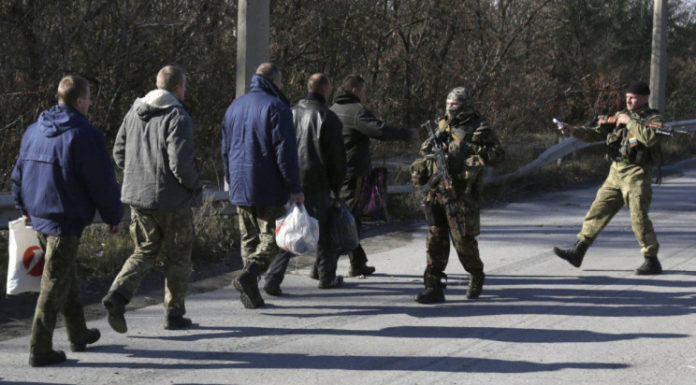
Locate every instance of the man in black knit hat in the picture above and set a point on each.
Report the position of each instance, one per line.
(634, 147)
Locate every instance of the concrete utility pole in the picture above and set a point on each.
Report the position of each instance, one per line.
(253, 36)
(658, 61)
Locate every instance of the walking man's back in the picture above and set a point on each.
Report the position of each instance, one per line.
(63, 174)
(261, 167)
(161, 183)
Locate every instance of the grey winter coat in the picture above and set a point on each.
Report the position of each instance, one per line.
(155, 149)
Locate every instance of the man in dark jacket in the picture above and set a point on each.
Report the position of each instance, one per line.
(359, 125)
(154, 147)
(62, 175)
(322, 167)
(259, 153)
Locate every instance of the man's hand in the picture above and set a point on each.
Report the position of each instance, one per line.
(622, 119)
(114, 229)
(27, 220)
(566, 129)
(297, 198)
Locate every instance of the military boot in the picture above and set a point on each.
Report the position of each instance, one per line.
(331, 283)
(434, 288)
(651, 266)
(247, 283)
(475, 285)
(90, 337)
(314, 274)
(177, 323)
(573, 255)
(272, 287)
(54, 357)
(115, 305)
(362, 270)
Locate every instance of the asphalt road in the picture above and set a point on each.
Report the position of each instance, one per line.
(539, 321)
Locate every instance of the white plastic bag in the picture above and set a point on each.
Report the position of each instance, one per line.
(26, 262)
(296, 231)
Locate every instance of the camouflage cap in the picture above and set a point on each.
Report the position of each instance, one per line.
(459, 93)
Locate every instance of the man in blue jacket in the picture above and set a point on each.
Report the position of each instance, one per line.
(259, 153)
(63, 174)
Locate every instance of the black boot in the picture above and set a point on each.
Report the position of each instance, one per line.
(54, 357)
(331, 283)
(115, 305)
(651, 266)
(475, 285)
(358, 263)
(272, 287)
(177, 323)
(364, 270)
(431, 295)
(247, 284)
(573, 255)
(434, 288)
(314, 274)
(90, 337)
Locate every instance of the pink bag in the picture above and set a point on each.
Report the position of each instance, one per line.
(373, 198)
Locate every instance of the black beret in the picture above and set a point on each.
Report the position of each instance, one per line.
(638, 88)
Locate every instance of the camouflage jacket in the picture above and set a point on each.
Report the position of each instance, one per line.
(471, 146)
(634, 143)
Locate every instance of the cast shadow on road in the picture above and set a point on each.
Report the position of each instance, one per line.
(605, 297)
(298, 361)
(500, 334)
(7, 382)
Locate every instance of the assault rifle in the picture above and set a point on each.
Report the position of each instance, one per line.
(666, 129)
(453, 207)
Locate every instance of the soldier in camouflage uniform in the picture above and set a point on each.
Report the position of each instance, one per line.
(634, 147)
(154, 147)
(471, 146)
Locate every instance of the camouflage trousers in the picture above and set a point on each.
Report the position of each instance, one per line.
(441, 227)
(59, 294)
(627, 184)
(257, 227)
(167, 235)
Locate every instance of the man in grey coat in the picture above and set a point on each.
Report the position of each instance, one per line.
(161, 182)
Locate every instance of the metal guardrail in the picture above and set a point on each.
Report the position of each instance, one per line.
(567, 146)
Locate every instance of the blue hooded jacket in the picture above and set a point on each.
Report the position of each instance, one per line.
(64, 173)
(259, 150)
